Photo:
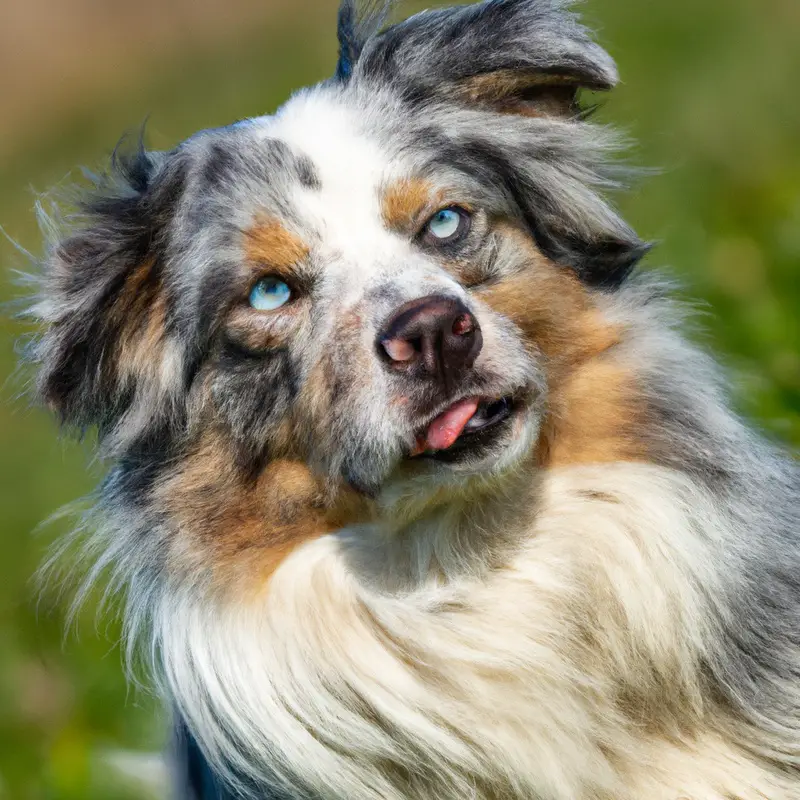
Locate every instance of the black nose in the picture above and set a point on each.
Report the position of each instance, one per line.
(434, 336)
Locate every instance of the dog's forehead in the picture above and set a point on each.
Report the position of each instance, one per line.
(352, 167)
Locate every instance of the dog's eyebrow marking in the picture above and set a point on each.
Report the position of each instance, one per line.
(267, 242)
(403, 201)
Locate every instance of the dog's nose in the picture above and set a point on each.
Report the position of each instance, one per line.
(437, 336)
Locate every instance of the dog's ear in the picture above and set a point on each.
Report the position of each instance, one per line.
(358, 22)
(104, 353)
(525, 56)
(528, 59)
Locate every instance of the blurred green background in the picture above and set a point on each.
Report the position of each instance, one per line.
(709, 90)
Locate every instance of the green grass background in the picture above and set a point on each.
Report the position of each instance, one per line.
(710, 90)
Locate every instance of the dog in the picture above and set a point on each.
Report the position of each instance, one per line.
(416, 487)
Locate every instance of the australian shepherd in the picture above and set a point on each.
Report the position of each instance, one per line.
(416, 487)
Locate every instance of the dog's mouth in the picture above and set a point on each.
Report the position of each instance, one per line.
(467, 424)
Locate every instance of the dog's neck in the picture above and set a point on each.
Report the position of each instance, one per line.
(419, 537)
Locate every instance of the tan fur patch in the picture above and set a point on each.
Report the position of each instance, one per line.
(240, 530)
(140, 315)
(593, 417)
(550, 306)
(268, 243)
(233, 525)
(512, 91)
(592, 410)
(403, 202)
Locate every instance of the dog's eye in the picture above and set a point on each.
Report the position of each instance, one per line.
(269, 293)
(447, 226)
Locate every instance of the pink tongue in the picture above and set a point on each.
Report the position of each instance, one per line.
(448, 426)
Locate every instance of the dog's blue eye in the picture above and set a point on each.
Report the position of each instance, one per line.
(269, 294)
(447, 225)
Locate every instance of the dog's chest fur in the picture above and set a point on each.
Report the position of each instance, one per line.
(573, 672)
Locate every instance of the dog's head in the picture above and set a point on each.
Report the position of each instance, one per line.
(381, 282)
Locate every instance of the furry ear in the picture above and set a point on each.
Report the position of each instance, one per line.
(103, 353)
(357, 23)
(525, 56)
(529, 58)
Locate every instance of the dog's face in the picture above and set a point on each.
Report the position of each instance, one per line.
(384, 281)
(347, 285)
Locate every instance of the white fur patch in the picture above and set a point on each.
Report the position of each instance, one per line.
(345, 210)
(488, 681)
